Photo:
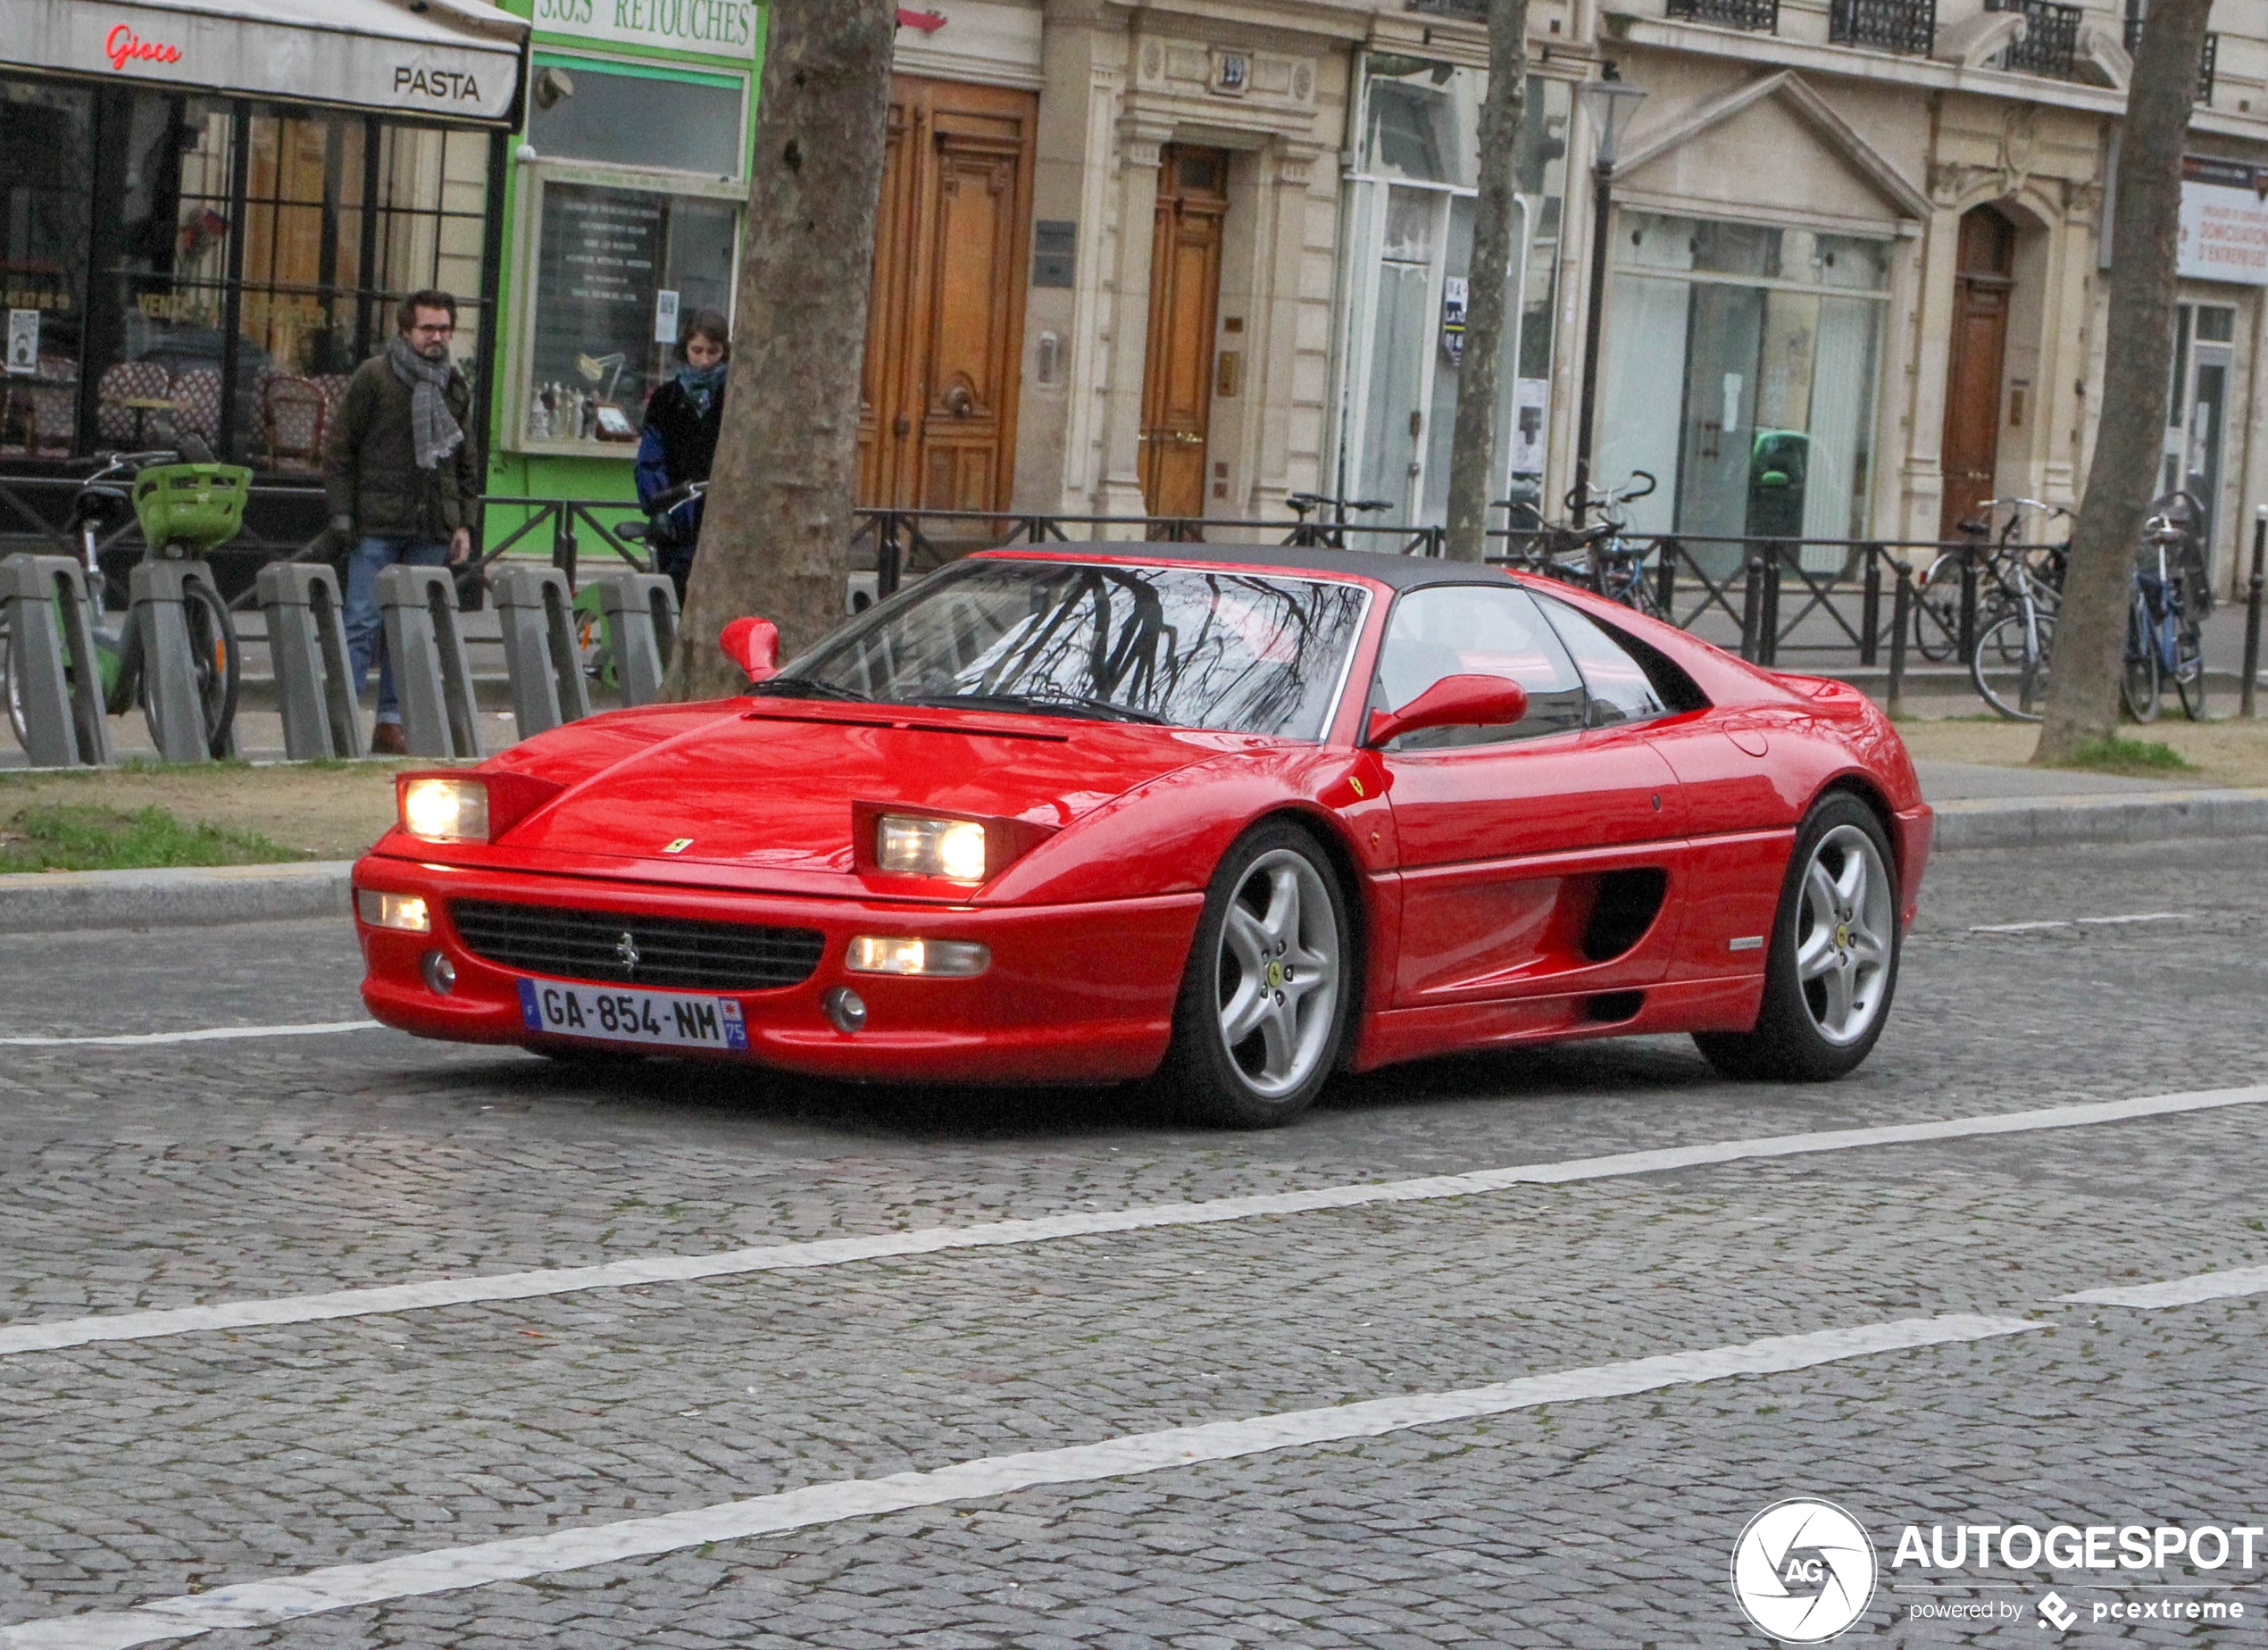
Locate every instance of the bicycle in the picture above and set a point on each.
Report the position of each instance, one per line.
(184, 508)
(2009, 664)
(1937, 588)
(1601, 557)
(2164, 623)
(1320, 534)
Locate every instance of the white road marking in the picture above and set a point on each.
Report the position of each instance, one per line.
(2213, 1286)
(214, 1034)
(345, 1586)
(2033, 927)
(130, 1326)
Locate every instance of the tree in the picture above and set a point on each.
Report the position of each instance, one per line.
(776, 528)
(2090, 627)
(1472, 443)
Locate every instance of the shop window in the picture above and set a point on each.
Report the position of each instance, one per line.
(623, 116)
(1410, 255)
(47, 142)
(614, 267)
(2197, 410)
(1774, 333)
(228, 263)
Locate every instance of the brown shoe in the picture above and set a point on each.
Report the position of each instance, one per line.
(387, 740)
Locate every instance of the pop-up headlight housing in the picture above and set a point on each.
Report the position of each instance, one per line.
(468, 807)
(963, 848)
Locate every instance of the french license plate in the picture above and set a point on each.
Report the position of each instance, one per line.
(664, 1018)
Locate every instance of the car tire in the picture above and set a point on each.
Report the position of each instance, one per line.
(1269, 987)
(1832, 969)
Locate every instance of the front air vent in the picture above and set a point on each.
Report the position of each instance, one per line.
(669, 952)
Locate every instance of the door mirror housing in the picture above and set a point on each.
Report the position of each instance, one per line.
(1472, 700)
(753, 645)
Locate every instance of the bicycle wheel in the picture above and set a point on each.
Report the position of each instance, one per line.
(2138, 683)
(2188, 669)
(2009, 664)
(213, 653)
(1937, 627)
(14, 689)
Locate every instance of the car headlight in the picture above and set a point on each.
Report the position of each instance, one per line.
(914, 846)
(451, 810)
(469, 807)
(405, 912)
(873, 954)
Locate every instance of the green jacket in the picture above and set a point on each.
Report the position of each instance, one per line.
(370, 460)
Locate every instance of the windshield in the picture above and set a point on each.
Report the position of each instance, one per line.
(1185, 647)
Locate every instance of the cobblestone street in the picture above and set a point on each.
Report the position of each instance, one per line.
(1580, 1384)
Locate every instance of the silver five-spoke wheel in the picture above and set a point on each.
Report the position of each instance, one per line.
(1843, 931)
(1277, 975)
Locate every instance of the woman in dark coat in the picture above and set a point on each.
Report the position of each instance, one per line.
(679, 444)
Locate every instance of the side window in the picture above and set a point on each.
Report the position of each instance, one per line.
(1480, 630)
(1621, 689)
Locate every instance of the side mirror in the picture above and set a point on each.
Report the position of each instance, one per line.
(1453, 701)
(753, 645)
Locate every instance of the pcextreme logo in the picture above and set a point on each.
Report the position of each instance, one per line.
(1804, 1571)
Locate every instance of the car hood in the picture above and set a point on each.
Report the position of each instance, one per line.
(767, 793)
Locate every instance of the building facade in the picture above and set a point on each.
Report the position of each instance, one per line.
(1856, 268)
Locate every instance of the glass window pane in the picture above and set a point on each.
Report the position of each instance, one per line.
(1480, 630)
(1620, 688)
(605, 255)
(633, 120)
(47, 138)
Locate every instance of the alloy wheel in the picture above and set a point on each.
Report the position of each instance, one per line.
(1845, 931)
(1279, 973)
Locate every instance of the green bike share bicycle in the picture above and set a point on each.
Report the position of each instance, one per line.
(185, 509)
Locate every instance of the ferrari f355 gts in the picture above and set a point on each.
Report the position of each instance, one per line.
(1232, 818)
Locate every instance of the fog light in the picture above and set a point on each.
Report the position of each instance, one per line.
(406, 912)
(847, 1009)
(440, 973)
(873, 954)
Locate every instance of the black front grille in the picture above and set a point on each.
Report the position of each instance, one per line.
(670, 951)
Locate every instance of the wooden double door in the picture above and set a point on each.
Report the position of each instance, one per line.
(937, 425)
(1984, 282)
(1185, 308)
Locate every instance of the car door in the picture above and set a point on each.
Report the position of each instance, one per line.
(1535, 860)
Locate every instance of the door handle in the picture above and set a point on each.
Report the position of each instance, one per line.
(959, 402)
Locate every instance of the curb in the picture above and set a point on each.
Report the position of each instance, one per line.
(2064, 821)
(46, 902)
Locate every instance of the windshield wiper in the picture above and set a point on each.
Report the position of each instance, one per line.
(1045, 705)
(805, 688)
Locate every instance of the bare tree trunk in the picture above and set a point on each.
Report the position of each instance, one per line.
(2090, 628)
(776, 530)
(1472, 445)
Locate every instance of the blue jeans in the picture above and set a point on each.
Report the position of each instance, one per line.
(365, 626)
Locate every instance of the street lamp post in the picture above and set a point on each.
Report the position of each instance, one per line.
(1608, 103)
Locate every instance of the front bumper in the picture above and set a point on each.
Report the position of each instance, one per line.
(1074, 993)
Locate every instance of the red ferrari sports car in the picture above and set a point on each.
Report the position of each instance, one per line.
(1237, 818)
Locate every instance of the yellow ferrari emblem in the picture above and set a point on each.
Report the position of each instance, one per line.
(1356, 785)
(679, 845)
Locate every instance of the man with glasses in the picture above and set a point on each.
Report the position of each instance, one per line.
(403, 480)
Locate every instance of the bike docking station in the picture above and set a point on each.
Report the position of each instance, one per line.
(641, 614)
(431, 676)
(538, 612)
(308, 648)
(65, 720)
(158, 595)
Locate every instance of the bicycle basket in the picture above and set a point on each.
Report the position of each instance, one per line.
(198, 505)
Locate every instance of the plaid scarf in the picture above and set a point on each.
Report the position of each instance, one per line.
(432, 426)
